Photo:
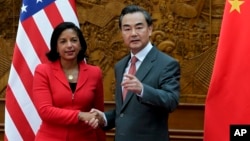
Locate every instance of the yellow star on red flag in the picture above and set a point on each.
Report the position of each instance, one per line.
(235, 5)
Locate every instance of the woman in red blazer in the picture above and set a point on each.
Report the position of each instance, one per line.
(65, 90)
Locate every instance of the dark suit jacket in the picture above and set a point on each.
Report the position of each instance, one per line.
(145, 119)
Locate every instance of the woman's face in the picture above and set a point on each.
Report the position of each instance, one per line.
(68, 45)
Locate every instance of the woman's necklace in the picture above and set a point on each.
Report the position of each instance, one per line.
(70, 77)
(71, 74)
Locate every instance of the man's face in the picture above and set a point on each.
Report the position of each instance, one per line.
(135, 31)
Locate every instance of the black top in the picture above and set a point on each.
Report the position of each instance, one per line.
(72, 86)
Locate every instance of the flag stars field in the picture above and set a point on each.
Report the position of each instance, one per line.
(39, 1)
(24, 8)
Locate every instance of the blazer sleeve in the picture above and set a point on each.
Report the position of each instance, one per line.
(110, 116)
(99, 96)
(99, 102)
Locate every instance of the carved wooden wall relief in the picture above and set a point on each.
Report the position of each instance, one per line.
(9, 12)
(188, 30)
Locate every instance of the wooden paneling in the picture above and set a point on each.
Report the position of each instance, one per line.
(2, 107)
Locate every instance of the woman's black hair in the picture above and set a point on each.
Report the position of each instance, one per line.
(53, 55)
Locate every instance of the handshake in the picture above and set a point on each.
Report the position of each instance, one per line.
(94, 118)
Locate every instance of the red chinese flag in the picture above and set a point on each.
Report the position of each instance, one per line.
(228, 98)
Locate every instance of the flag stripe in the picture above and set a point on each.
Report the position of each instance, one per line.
(37, 20)
(53, 14)
(23, 71)
(20, 83)
(14, 134)
(20, 121)
(27, 49)
(68, 15)
(73, 6)
(36, 39)
(24, 101)
(44, 25)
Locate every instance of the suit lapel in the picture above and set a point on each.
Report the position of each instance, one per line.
(82, 75)
(146, 65)
(142, 71)
(59, 74)
(120, 69)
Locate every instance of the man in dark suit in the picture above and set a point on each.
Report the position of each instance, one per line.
(152, 92)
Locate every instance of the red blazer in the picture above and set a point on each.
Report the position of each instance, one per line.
(58, 107)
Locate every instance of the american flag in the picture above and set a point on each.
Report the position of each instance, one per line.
(36, 23)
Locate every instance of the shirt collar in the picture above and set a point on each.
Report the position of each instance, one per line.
(142, 54)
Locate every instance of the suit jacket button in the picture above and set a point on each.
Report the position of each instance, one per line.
(121, 115)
